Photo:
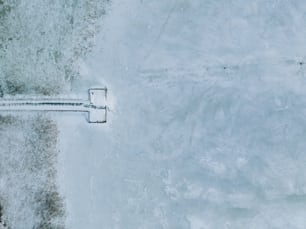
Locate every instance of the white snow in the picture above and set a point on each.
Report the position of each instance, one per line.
(206, 127)
(41, 45)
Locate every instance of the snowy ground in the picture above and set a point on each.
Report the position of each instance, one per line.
(41, 43)
(206, 125)
(207, 118)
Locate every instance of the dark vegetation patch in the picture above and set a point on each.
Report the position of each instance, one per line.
(2, 220)
(5, 8)
(28, 167)
(42, 145)
(6, 120)
(50, 207)
(14, 87)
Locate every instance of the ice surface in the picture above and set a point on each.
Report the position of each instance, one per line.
(207, 118)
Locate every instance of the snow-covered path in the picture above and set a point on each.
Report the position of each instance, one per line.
(207, 119)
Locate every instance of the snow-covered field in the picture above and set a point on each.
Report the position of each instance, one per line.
(206, 125)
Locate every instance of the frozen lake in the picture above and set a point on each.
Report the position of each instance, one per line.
(206, 120)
